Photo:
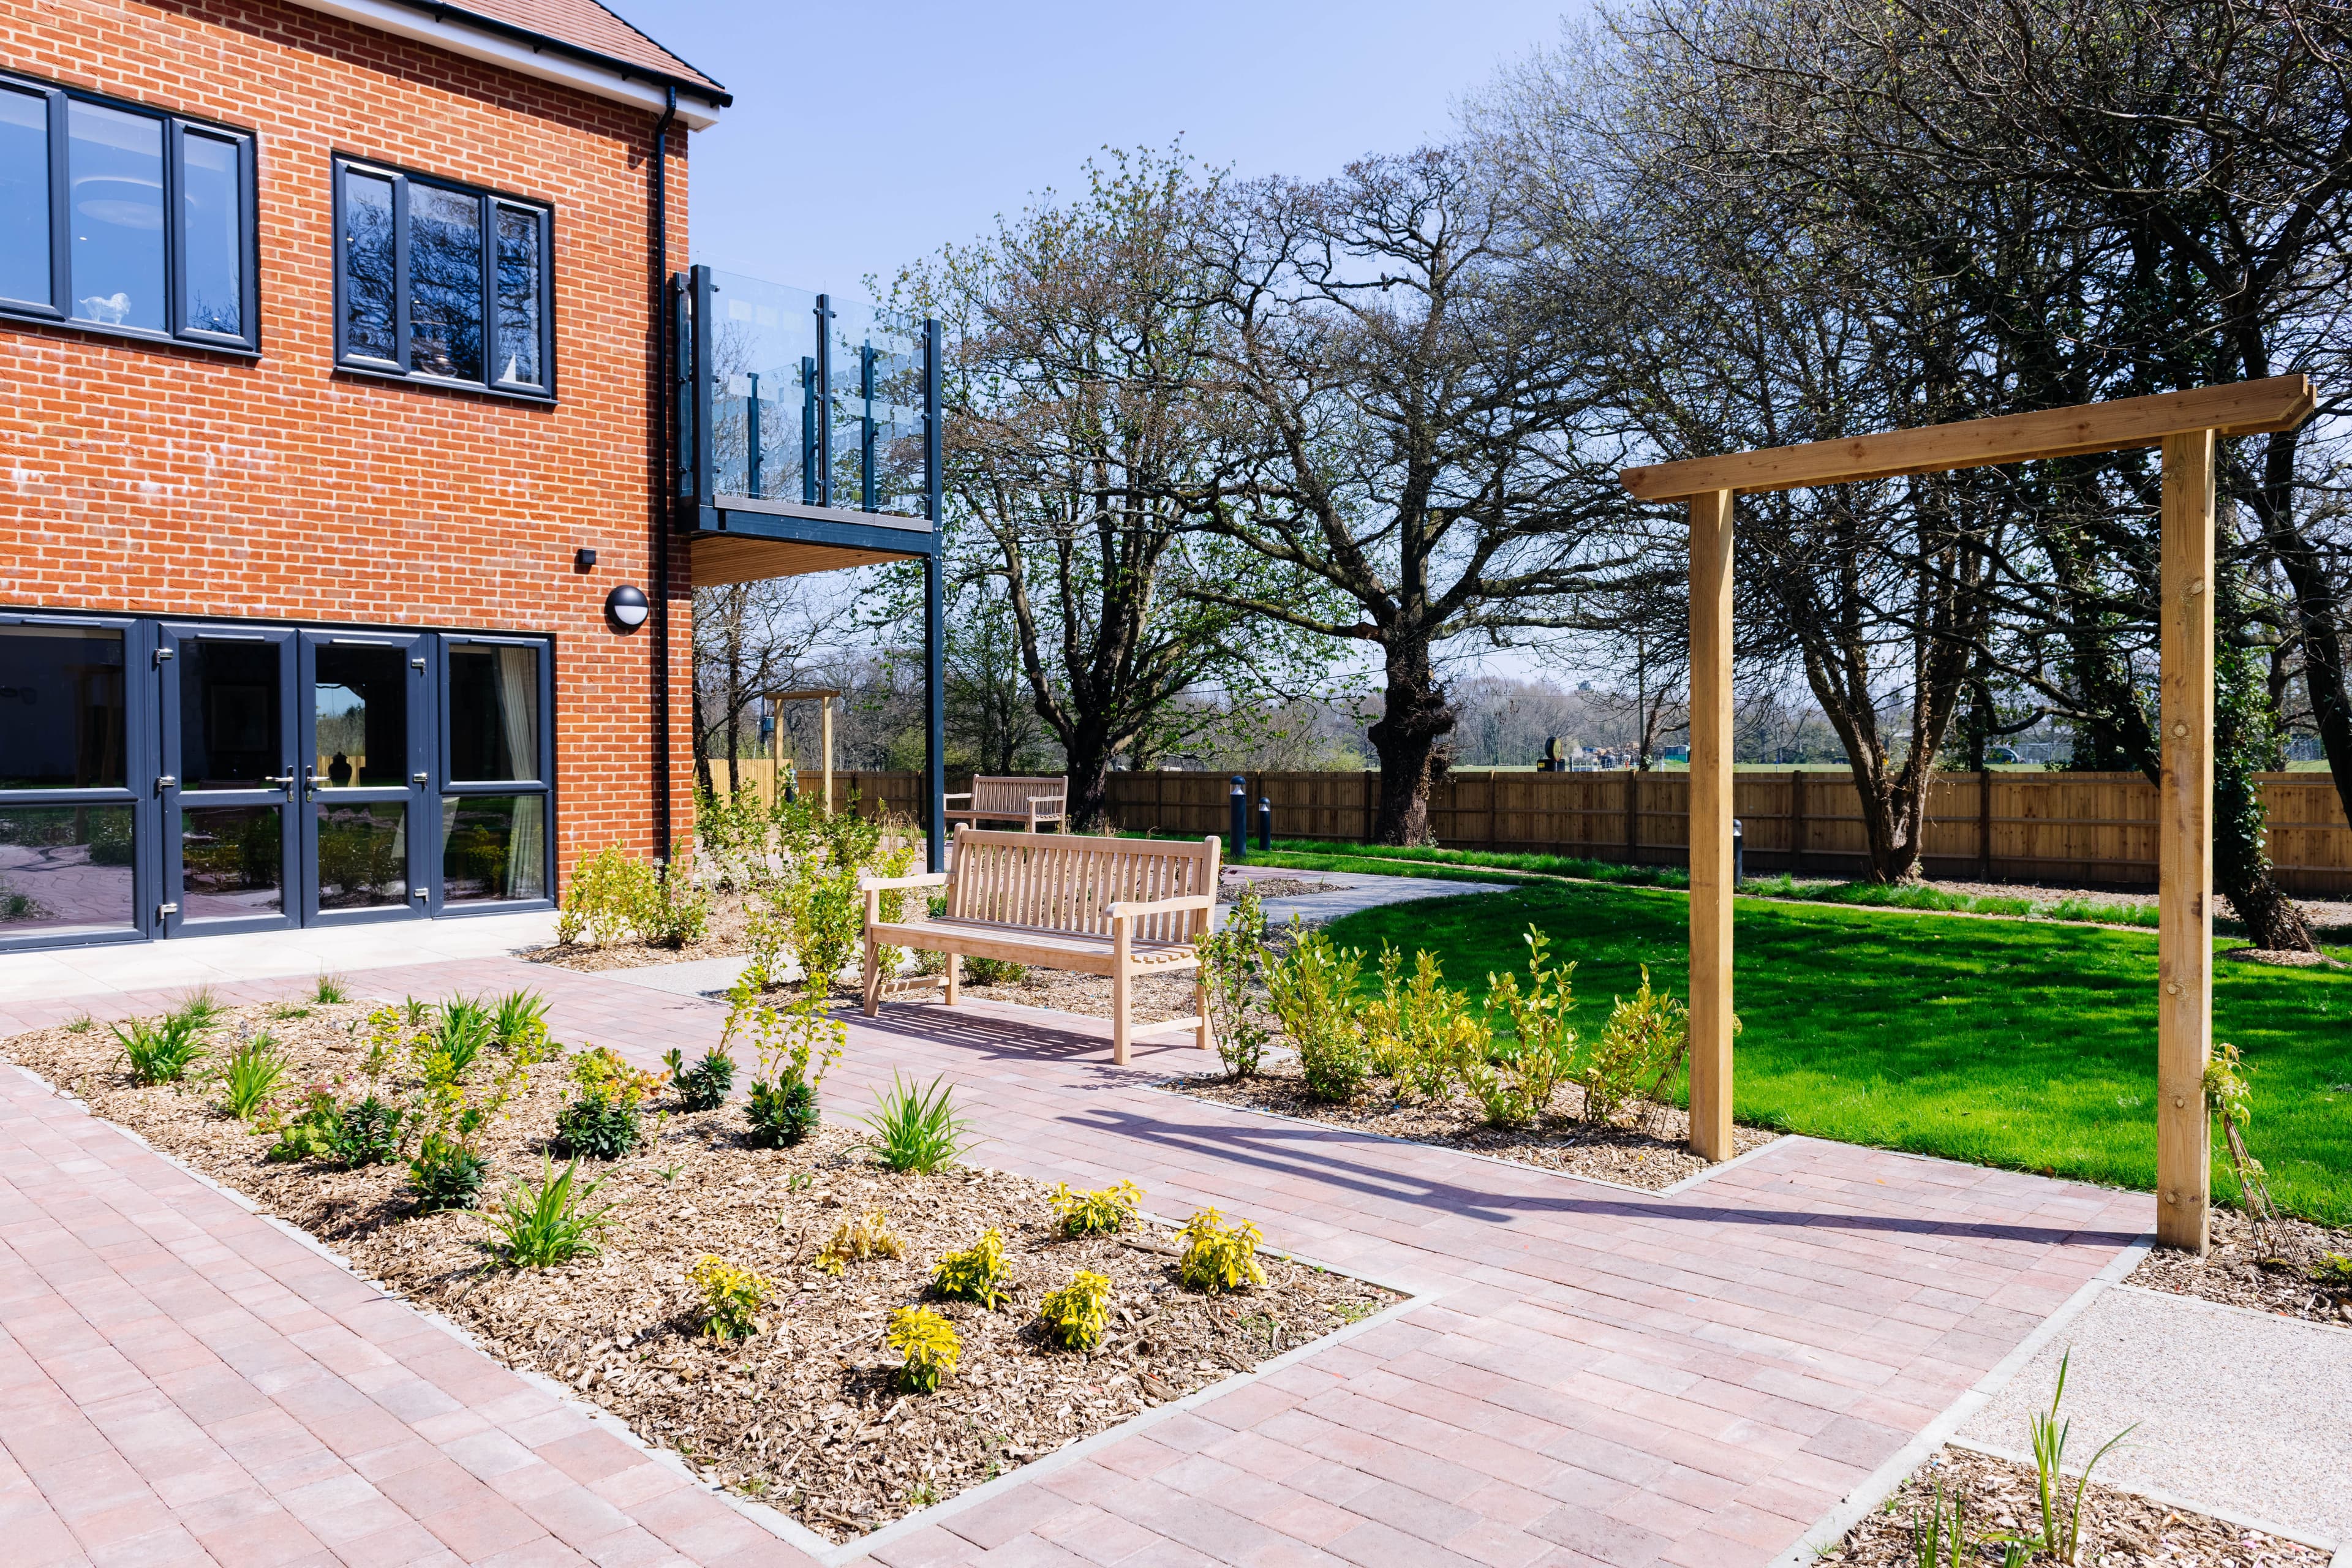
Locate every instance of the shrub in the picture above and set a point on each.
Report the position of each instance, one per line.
(364, 1133)
(928, 1345)
(670, 908)
(445, 1174)
(162, 1051)
(978, 970)
(1312, 990)
(781, 1114)
(975, 1274)
(1518, 1087)
(1233, 960)
(703, 1085)
(447, 1113)
(1077, 1314)
(252, 1077)
(1096, 1212)
(826, 916)
(606, 891)
(311, 1133)
(520, 1016)
(602, 1123)
(855, 1241)
(917, 1130)
(1642, 1045)
(1422, 1035)
(1218, 1256)
(731, 1298)
(368, 1132)
(548, 1222)
(795, 1048)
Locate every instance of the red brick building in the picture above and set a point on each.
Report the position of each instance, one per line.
(333, 334)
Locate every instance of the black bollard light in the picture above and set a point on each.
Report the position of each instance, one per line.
(1265, 824)
(1241, 819)
(1738, 853)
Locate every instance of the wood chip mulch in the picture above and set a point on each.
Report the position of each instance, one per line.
(723, 938)
(806, 1414)
(2119, 1529)
(2234, 1272)
(1644, 1148)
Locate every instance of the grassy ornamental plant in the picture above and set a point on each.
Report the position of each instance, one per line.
(1312, 990)
(2062, 1518)
(546, 1222)
(1218, 1256)
(731, 1298)
(1076, 1315)
(975, 1274)
(915, 1130)
(928, 1347)
(1096, 1213)
(858, 1241)
(252, 1077)
(162, 1051)
(517, 1018)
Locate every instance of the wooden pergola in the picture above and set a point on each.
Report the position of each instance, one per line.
(2185, 425)
(776, 699)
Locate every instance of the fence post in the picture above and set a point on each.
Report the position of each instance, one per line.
(1632, 816)
(1984, 822)
(1797, 830)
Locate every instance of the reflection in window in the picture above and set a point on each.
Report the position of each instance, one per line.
(445, 282)
(212, 194)
(116, 173)
(368, 273)
(360, 718)
(493, 714)
(493, 846)
(62, 708)
(24, 197)
(362, 855)
(65, 867)
(232, 861)
(519, 274)
(230, 730)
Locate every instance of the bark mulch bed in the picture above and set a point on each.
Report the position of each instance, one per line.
(2233, 1273)
(2120, 1529)
(804, 1414)
(1643, 1148)
(1230, 888)
(729, 915)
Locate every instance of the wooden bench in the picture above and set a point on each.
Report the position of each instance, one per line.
(1120, 907)
(1014, 799)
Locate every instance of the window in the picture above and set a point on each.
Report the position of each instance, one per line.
(442, 282)
(495, 800)
(125, 219)
(67, 862)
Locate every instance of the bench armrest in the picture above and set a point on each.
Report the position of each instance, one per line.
(1162, 905)
(1047, 799)
(958, 794)
(883, 884)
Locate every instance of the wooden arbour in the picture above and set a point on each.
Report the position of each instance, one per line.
(2185, 425)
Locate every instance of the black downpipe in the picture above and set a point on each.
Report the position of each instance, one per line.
(662, 449)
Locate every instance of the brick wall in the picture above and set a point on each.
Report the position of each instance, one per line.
(143, 479)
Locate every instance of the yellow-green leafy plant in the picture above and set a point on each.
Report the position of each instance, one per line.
(795, 1047)
(1422, 1035)
(928, 1348)
(1077, 1314)
(1096, 1213)
(603, 1121)
(603, 900)
(731, 1298)
(826, 915)
(1232, 961)
(2233, 1099)
(1639, 1050)
(975, 1274)
(1218, 1256)
(1312, 991)
(1516, 1086)
(449, 1114)
(856, 1241)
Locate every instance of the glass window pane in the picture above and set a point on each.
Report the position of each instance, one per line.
(518, 298)
(63, 867)
(493, 714)
(493, 846)
(61, 700)
(232, 861)
(763, 397)
(24, 197)
(360, 712)
(230, 732)
(362, 853)
(116, 165)
(211, 203)
(445, 282)
(368, 274)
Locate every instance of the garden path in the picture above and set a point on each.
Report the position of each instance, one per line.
(1596, 1375)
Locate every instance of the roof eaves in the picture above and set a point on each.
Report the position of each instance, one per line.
(699, 86)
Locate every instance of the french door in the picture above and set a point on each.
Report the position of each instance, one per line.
(366, 839)
(227, 785)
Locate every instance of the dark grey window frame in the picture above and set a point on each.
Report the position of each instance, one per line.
(542, 786)
(53, 311)
(489, 201)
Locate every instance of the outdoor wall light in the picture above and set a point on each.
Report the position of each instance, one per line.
(626, 605)
(582, 559)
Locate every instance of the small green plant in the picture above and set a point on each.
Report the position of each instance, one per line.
(1517, 1087)
(603, 1122)
(2335, 1270)
(928, 1347)
(856, 1241)
(201, 1008)
(1218, 1256)
(731, 1298)
(368, 1132)
(975, 1274)
(331, 990)
(162, 1051)
(286, 1012)
(1937, 1542)
(546, 1223)
(981, 970)
(2233, 1099)
(2062, 1524)
(703, 1085)
(1422, 1035)
(1232, 961)
(445, 1174)
(80, 1024)
(252, 1077)
(1312, 991)
(462, 1029)
(519, 1017)
(1640, 1049)
(310, 1134)
(795, 1047)
(1096, 1212)
(1077, 1314)
(916, 1130)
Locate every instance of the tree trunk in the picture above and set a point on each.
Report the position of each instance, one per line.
(1414, 717)
(2245, 743)
(1089, 755)
(701, 747)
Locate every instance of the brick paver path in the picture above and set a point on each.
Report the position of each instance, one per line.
(1608, 1377)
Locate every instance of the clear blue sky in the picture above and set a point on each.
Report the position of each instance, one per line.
(864, 137)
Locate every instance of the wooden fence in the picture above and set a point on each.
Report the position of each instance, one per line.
(2093, 829)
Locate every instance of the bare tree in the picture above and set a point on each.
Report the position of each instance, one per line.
(750, 639)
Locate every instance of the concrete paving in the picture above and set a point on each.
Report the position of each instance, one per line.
(2238, 1413)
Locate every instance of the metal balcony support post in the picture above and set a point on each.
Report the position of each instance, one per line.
(809, 458)
(751, 430)
(865, 429)
(935, 742)
(825, 399)
(699, 373)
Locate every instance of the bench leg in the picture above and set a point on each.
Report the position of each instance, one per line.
(955, 978)
(873, 979)
(1203, 1034)
(1119, 985)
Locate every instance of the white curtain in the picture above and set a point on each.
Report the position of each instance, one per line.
(519, 712)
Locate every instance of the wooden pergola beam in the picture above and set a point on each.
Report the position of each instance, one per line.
(2241, 409)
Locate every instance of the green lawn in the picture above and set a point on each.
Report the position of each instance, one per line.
(2022, 1044)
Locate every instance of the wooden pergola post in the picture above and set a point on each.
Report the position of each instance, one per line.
(1710, 825)
(2184, 847)
(825, 720)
